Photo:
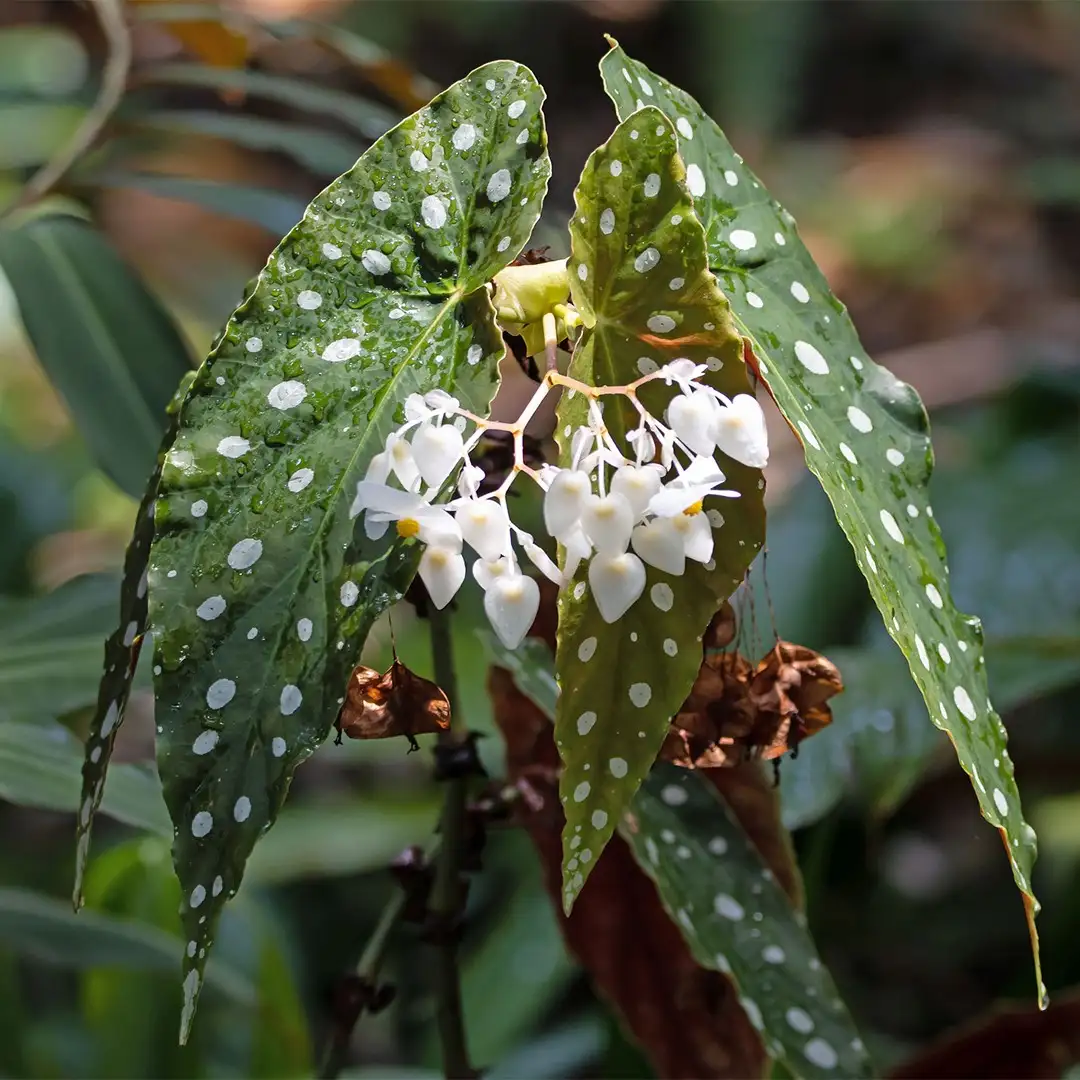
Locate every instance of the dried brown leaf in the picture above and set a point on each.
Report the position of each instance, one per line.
(396, 702)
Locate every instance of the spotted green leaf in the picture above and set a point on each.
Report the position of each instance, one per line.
(736, 919)
(121, 654)
(866, 437)
(643, 288)
(260, 595)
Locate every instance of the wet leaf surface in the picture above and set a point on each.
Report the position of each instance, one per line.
(865, 434)
(261, 597)
(640, 280)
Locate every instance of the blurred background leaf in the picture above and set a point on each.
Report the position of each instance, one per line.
(941, 204)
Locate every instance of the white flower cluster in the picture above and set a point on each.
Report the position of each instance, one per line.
(617, 507)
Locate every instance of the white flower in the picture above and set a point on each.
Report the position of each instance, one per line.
(469, 481)
(616, 581)
(485, 571)
(485, 526)
(378, 471)
(693, 529)
(401, 461)
(441, 403)
(682, 371)
(565, 500)
(414, 517)
(541, 560)
(701, 478)
(661, 545)
(511, 603)
(442, 570)
(578, 548)
(693, 418)
(740, 431)
(436, 451)
(637, 484)
(608, 521)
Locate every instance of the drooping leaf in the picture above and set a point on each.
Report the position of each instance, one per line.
(50, 647)
(83, 605)
(322, 152)
(338, 838)
(1011, 1042)
(105, 342)
(39, 926)
(736, 919)
(260, 597)
(122, 651)
(271, 210)
(642, 285)
(367, 117)
(39, 766)
(866, 438)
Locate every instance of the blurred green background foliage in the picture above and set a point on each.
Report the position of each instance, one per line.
(931, 154)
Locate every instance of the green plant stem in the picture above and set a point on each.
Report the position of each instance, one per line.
(110, 15)
(446, 893)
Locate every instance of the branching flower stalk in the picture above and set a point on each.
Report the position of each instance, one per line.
(617, 507)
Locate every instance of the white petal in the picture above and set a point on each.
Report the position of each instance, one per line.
(661, 546)
(702, 470)
(416, 408)
(582, 439)
(375, 527)
(373, 495)
(692, 417)
(578, 548)
(565, 500)
(486, 571)
(696, 535)
(637, 484)
(442, 571)
(436, 450)
(469, 481)
(439, 529)
(378, 468)
(740, 431)
(401, 461)
(441, 402)
(608, 522)
(543, 562)
(616, 582)
(511, 604)
(682, 371)
(485, 527)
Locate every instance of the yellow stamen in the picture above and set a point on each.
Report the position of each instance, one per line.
(408, 528)
(693, 508)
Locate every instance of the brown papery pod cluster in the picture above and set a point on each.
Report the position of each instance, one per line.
(737, 710)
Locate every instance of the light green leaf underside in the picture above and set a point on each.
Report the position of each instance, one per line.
(736, 919)
(622, 682)
(261, 595)
(865, 433)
